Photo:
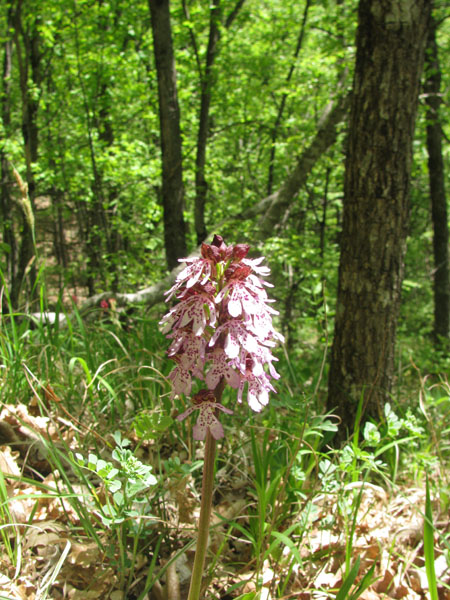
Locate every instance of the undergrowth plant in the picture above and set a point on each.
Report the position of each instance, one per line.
(108, 382)
(126, 509)
(221, 331)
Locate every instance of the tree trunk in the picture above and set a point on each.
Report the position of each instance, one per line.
(206, 83)
(27, 42)
(284, 97)
(439, 214)
(169, 117)
(272, 209)
(390, 48)
(201, 186)
(6, 200)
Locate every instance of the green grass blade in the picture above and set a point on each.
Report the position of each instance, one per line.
(284, 539)
(367, 580)
(428, 543)
(348, 581)
(6, 519)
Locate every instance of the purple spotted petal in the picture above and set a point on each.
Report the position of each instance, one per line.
(181, 381)
(221, 368)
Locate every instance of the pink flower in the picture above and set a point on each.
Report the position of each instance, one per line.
(221, 368)
(258, 391)
(181, 381)
(237, 336)
(198, 310)
(189, 345)
(264, 357)
(262, 325)
(242, 299)
(206, 403)
(221, 330)
(197, 269)
(254, 264)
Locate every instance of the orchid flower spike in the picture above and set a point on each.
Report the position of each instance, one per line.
(221, 331)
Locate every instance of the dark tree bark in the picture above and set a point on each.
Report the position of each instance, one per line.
(27, 41)
(99, 233)
(201, 186)
(105, 203)
(169, 116)
(389, 59)
(441, 284)
(92, 217)
(109, 192)
(29, 56)
(6, 199)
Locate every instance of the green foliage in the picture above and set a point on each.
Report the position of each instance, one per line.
(126, 483)
(151, 426)
(99, 161)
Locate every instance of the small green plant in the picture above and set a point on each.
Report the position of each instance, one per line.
(350, 590)
(150, 426)
(377, 452)
(126, 511)
(126, 481)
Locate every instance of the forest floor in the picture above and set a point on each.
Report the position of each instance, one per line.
(52, 556)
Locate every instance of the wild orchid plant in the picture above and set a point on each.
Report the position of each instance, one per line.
(222, 333)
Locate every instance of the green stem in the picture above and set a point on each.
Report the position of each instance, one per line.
(205, 514)
(205, 507)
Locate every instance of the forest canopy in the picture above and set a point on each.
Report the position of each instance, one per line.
(81, 125)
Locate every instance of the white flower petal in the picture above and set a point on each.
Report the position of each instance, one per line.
(234, 308)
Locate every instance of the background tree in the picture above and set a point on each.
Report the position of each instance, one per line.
(171, 149)
(6, 199)
(439, 213)
(284, 97)
(206, 76)
(29, 51)
(390, 45)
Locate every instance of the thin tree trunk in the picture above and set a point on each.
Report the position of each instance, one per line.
(389, 59)
(6, 200)
(206, 83)
(171, 146)
(95, 220)
(441, 284)
(279, 202)
(284, 97)
(201, 186)
(27, 42)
